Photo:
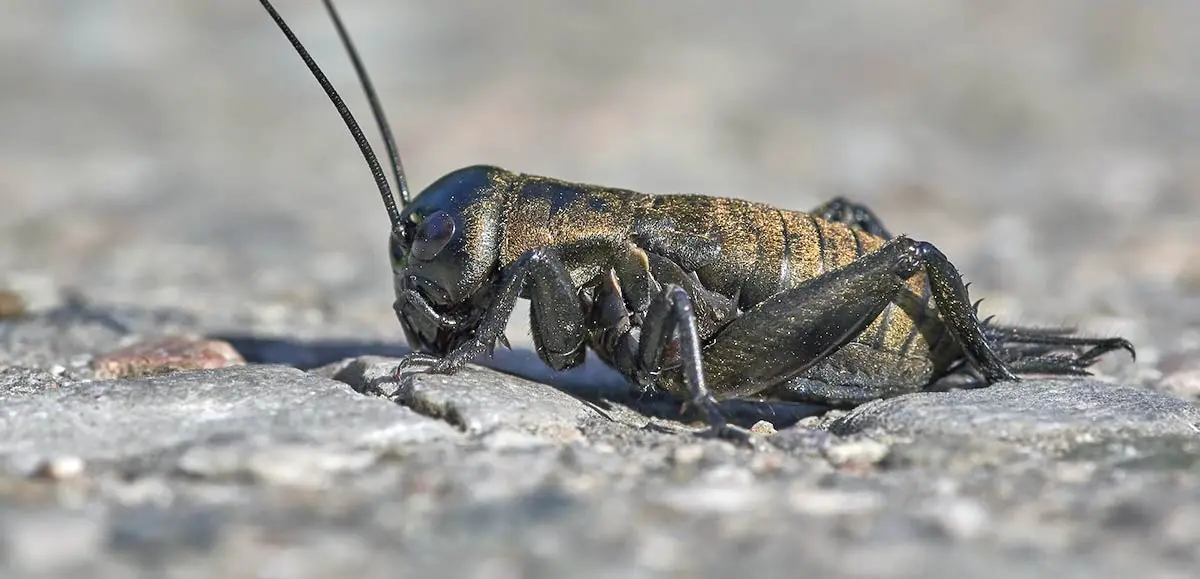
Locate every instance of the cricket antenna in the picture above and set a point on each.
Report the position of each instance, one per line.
(376, 107)
(364, 146)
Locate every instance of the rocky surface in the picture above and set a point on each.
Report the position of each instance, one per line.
(194, 302)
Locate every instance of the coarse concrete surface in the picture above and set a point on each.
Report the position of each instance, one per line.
(171, 169)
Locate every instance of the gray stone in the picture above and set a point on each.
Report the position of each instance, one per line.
(475, 399)
(265, 461)
(18, 380)
(957, 518)
(57, 337)
(861, 451)
(1183, 383)
(65, 338)
(181, 159)
(128, 419)
(50, 544)
(1027, 411)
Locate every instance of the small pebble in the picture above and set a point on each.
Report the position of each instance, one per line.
(1184, 383)
(506, 439)
(293, 465)
(801, 439)
(61, 468)
(728, 476)
(961, 519)
(860, 452)
(766, 463)
(763, 428)
(713, 498)
(165, 355)
(305, 467)
(833, 502)
(688, 454)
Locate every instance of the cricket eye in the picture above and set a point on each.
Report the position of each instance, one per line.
(399, 249)
(433, 234)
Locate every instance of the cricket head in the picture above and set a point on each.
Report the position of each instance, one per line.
(445, 255)
(443, 243)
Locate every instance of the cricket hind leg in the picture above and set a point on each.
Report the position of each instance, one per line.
(856, 215)
(1024, 350)
(856, 374)
(796, 330)
(831, 394)
(1050, 350)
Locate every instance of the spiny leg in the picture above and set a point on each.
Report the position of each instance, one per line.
(830, 394)
(958, 313)
(855, 374)
(783, 337)
(1029, 341)
(842, 210)
(640, 353)
(1047, 350)
(670, 312)
(1059, 364)
(1045, 360)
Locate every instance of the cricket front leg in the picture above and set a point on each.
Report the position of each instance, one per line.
(555, 306)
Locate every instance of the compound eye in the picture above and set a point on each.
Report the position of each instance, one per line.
(433, 234)
(400, 244)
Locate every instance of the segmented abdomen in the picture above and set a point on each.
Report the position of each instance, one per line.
(765, 250)
(812, 246)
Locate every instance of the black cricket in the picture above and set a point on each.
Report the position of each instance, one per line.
(707, 298)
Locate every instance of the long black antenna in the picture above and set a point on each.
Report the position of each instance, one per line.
(368, 154)
(376, 107)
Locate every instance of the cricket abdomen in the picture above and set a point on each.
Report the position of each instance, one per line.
(765, 250)
(907, 329)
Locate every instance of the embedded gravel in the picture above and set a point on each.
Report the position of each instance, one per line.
(195, 302)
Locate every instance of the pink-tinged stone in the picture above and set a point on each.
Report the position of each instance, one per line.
(165, 355)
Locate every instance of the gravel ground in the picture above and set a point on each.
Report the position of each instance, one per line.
(170, 169)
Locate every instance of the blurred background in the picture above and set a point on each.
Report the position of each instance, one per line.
(178, 155)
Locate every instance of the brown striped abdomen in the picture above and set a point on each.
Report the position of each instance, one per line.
(765, 250)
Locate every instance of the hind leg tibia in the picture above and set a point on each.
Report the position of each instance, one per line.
(856, 215)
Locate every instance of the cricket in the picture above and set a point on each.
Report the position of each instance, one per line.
(706, 298)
